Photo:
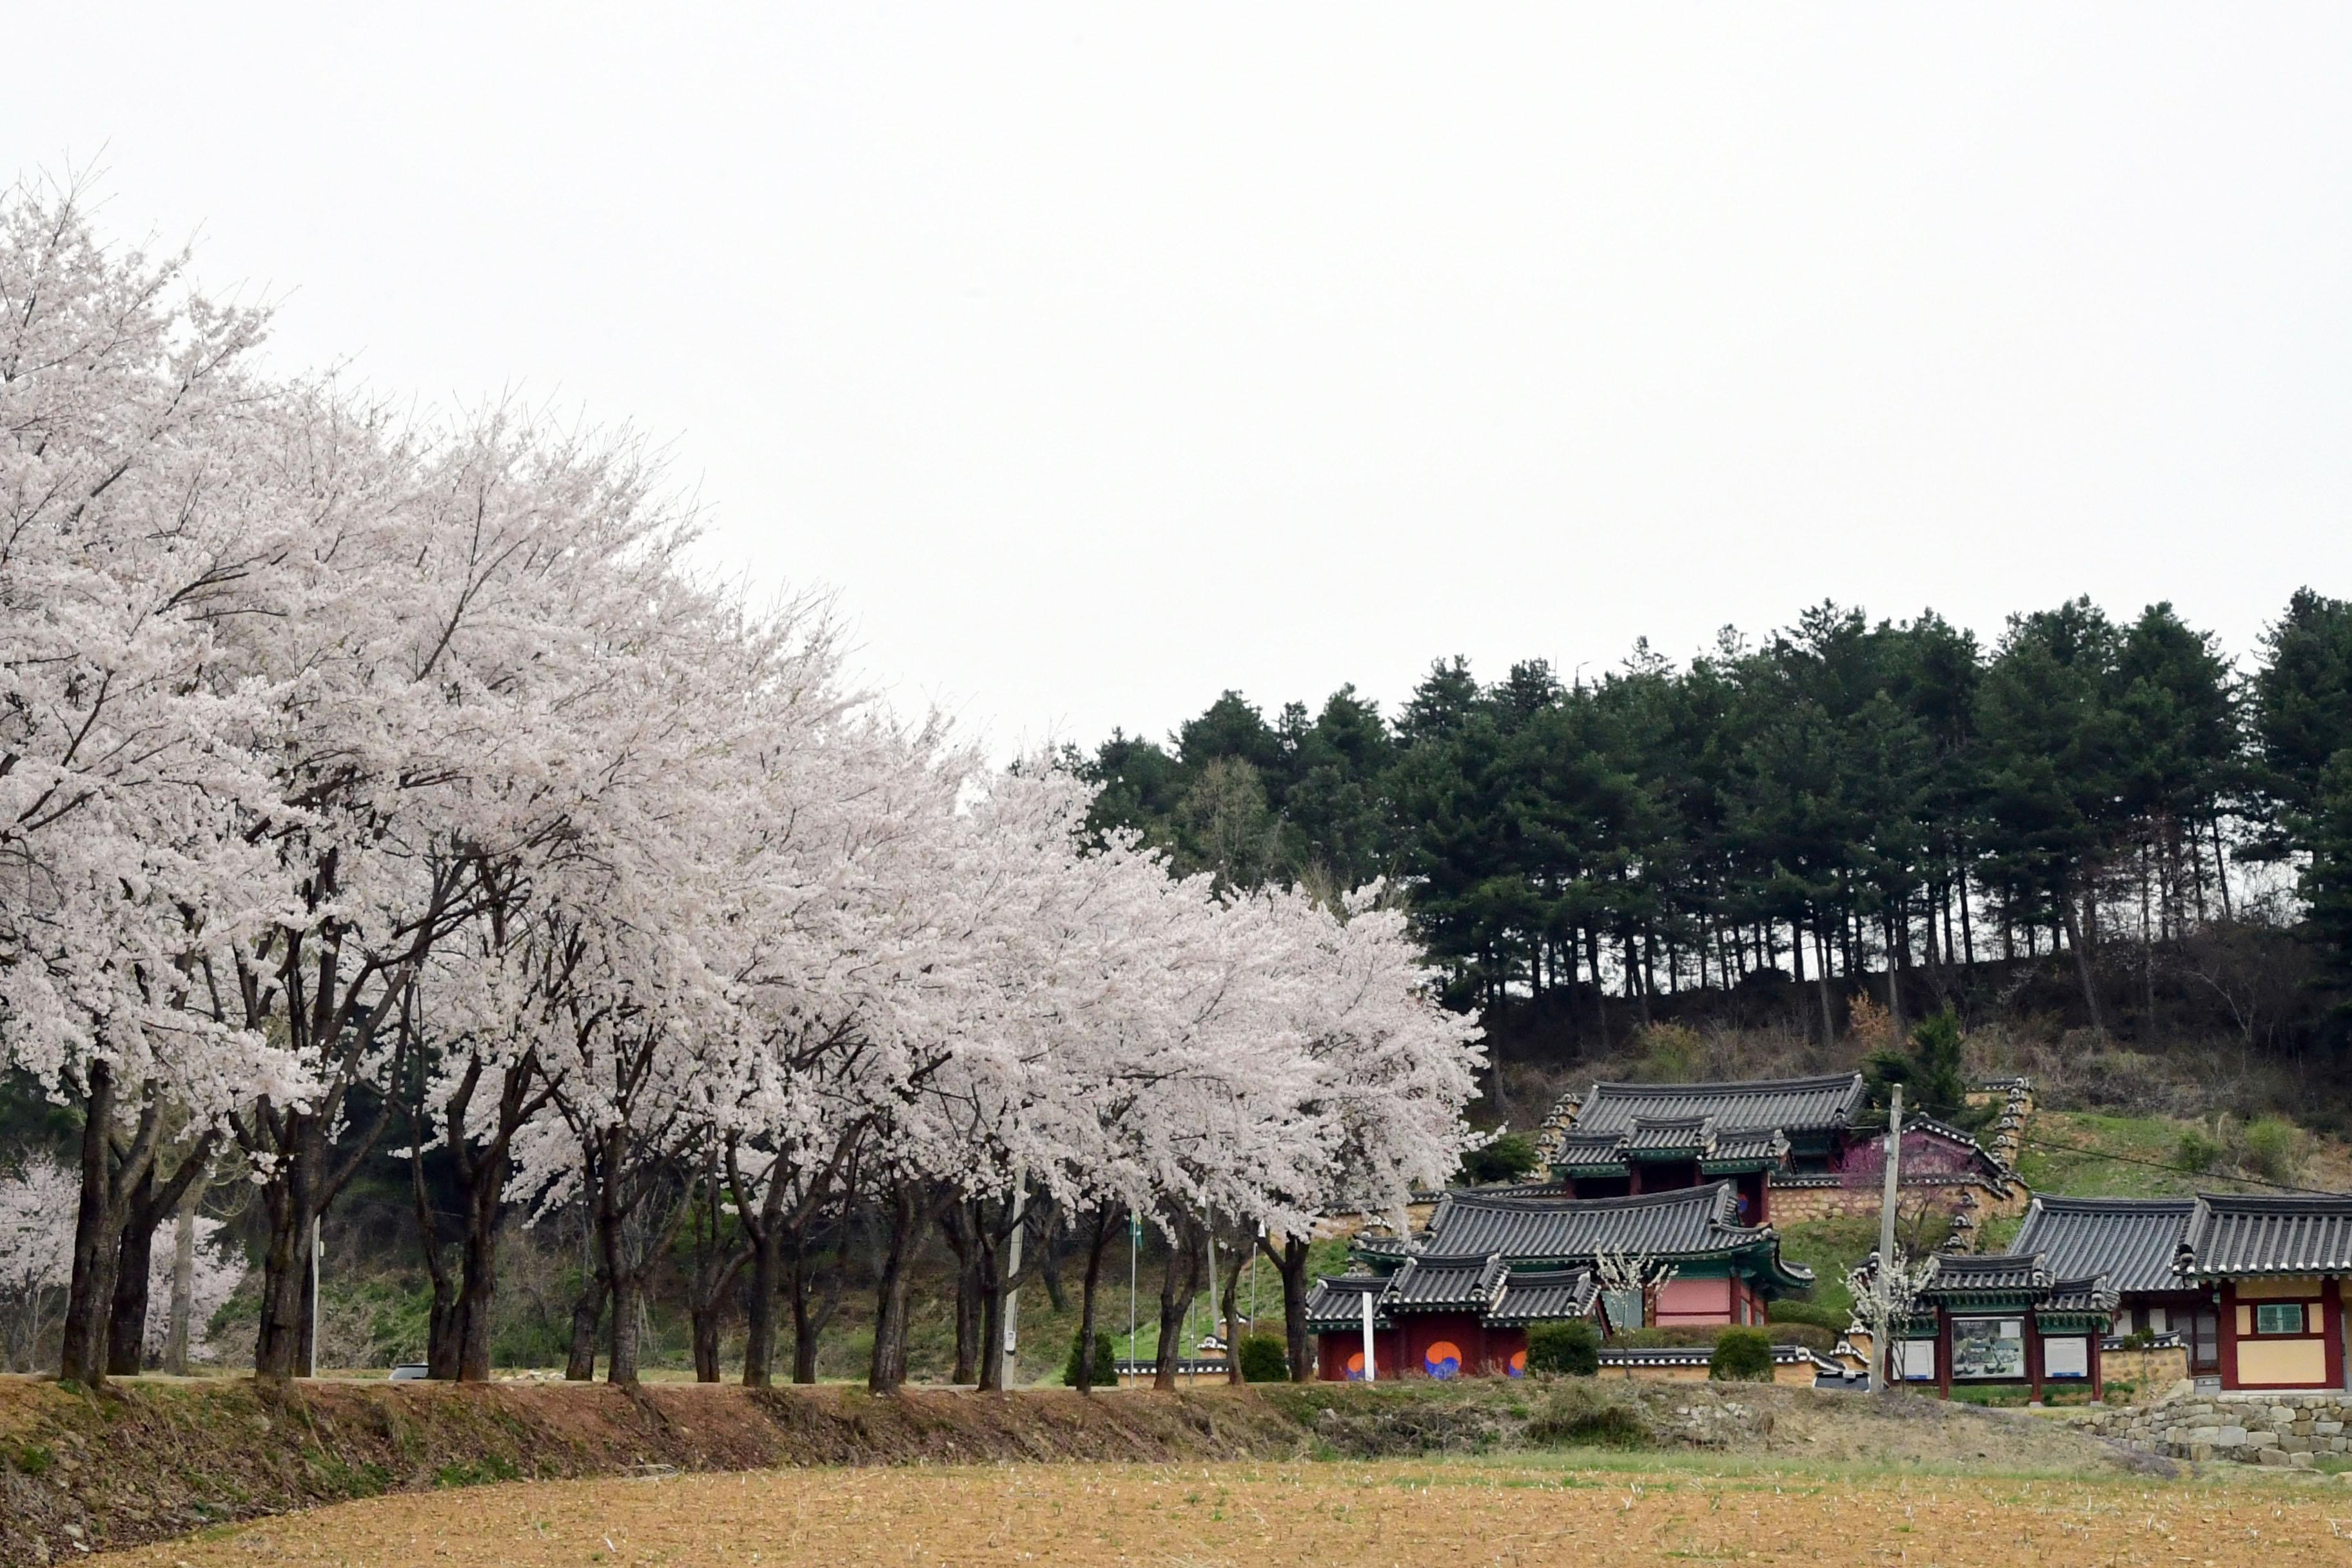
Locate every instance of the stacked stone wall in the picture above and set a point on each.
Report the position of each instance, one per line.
(2284, 1430)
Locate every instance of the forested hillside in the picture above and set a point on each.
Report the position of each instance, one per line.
(2093, 824)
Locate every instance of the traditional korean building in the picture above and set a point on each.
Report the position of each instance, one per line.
(2274, 1269)
(2006, 1318)
(2134, 1245)
(2253, 1285)
(1792, 1148)
(1457, 1299)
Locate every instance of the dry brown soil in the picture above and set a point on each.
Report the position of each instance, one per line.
(1365, 1515)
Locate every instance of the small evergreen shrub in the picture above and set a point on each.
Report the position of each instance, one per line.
(1594, 1414)
(1741, 1355)
(1265, 1358)
(1505, 1159)
(1572, 1349)
(1105, 1365)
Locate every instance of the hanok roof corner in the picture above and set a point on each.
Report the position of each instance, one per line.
(2231, 1236)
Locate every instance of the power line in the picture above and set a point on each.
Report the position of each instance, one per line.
(2180, 1170)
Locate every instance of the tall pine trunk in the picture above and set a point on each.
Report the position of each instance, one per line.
(2081, 961)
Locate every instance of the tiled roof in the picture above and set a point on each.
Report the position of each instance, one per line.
(1792, 1105)
(1698, 1355)
(2089, 1295)
(2133, 1241)
(1761, 1144)
(1693, 1222)
(1428, 1284)
(1945, 1129)
(1691, 1135)
(1959, 1274)
(2229, 1235)
(1338, 1301)
(1533, 1296)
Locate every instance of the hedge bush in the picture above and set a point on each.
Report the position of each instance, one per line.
(1741, 1355)
(1106, 1363)
(1265, 1358)
(1572, 1349)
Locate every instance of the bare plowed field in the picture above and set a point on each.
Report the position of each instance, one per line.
(1367, 1515)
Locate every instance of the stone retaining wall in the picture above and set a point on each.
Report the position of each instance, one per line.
(2278, 1429)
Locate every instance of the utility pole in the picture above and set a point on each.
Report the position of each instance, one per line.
(310, 1351)
(1881, 1355)
(1013, 1297)
(1210, 1226)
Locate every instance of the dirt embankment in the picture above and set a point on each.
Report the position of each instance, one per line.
(154, 1459)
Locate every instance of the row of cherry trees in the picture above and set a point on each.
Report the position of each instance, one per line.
(358, 778)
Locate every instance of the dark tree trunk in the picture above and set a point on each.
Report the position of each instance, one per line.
(442, 1350)
(963, 1240)
(98, 1235)
(888, 1371)
(1096, 1243)
(587, 1317)
(126, 1328)
(622, 1275)
(759, 1309)
(2082, 962)
(1821, 953)
(1178, 1284)
(1290, 1262)
(282, 1348)
(478, 1279)
(807, 1322)
(706, 1320)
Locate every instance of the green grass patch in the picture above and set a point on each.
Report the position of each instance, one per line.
(484, 1471)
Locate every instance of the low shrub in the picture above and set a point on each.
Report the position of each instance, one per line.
(1590, 1414)
(2276, 1148)
(1564, 1350)
(1265, 1358)
(1741, 1355)
(1106, 1368)
(2198, 1154)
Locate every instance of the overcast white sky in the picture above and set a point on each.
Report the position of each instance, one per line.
(1104, 357)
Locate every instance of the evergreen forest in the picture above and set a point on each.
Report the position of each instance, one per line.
(2109, 819)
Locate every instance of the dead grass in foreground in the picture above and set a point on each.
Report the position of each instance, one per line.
(1275, 1515)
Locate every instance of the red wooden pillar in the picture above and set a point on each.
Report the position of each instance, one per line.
(2033, 1353)
(2099, 1369)
(2226, 1320)
(2331, 1308)
(1944, 1352)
